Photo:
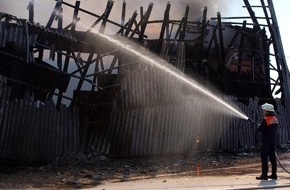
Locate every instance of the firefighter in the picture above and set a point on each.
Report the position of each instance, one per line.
(268, 128)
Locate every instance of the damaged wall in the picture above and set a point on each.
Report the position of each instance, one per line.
(35, 133)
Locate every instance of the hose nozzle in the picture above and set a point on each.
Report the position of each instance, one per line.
(255, 123)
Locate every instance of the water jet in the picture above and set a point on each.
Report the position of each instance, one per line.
(162, 65)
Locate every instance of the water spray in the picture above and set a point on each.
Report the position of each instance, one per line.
(159, 64)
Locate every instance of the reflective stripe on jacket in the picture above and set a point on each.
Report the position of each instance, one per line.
(271, 120)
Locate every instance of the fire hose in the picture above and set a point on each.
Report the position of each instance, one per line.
(280, 164)
(277, 158)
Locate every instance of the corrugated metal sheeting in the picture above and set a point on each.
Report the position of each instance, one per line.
(155, 114)
(34, 133)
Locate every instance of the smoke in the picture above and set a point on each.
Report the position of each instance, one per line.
(43, 8)
(178, 7)
(196, 7)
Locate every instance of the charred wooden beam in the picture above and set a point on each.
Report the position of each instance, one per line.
(179, 29)
(211, 40)
(67, 58)
(60, 27)
(99, 59)
(254, 38)
(130, 23)
(221, 38)
(71, 24)
(73, 27)
(184, 24)
(75, 15)
(165, 23)
(49, 23)
(106, 16)
(123, 17)
(112, 66)
(241, 51)
(103, 18)
(252, 14)
(54, 13)
(241, 23)
(85, 70)
(238, 17)
(95, 24)
(204, 19)
(30, 8)
(141, 12)
(98, 16)
(203, 34)
(143, 23)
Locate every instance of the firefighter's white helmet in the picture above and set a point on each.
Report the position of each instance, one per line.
(268, 107)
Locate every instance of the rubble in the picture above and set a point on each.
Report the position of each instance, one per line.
(92, 170)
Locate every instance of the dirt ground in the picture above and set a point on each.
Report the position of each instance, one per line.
(80, 174)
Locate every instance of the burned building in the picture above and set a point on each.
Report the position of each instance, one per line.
(66, 91)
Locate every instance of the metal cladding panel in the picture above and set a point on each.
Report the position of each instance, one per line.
(31, 133)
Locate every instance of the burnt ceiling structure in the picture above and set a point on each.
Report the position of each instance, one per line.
(232, 56)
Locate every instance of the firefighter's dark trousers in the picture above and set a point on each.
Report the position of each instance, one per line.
(268, 151)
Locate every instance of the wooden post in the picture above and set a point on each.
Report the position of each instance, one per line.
(130, 23)
(165, 22)
(123, 17)
(252, 14)
(221, 38)
(143, 23)
(184, 24)
(31, 11)
(54, 14)
(106, 16)
(241, 50)
(59, 27)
